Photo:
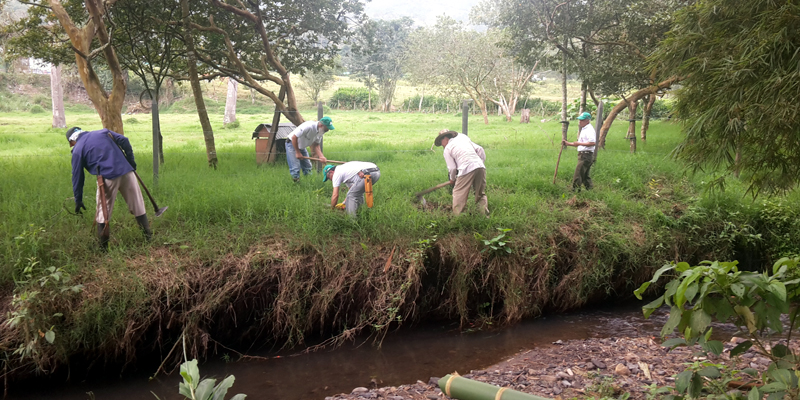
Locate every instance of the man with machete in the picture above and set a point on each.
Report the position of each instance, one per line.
(307, 134)
(465, 164)
(358, 176)
(111, 159)
(587, 137)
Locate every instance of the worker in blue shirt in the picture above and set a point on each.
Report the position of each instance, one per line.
(109, 156)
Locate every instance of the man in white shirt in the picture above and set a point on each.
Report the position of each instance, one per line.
(351, 174)
(587, 137)
(307, 134)
(466, 168)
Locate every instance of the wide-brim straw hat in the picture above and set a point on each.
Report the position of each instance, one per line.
(442, 135)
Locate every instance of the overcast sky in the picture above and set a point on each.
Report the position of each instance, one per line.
(423, 12)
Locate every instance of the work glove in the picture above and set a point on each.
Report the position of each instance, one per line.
(78, 206)
(340, 206)
(132, 163)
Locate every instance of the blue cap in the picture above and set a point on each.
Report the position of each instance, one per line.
(584, 116)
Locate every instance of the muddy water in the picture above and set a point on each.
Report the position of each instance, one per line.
(406, 356)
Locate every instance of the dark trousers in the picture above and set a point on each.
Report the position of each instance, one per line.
(585, 161)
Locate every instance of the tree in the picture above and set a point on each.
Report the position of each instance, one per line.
(193, 77)
(740, 100)
(463, 59)
(509, 84)
(149, 44)
(230, 102)
(259, 43)
(314, 82)
(84, 23)
(422, 72)
(57, 97)
(605, 41)
(379, 53)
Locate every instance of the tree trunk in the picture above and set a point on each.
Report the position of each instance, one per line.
(632, 105)
(108, 106)
(158, 147)
(421, 97)
(623, 104)
(564, 121)
(484, 112)
(168, 92)
(197, 92)
(230, 102)
(57, 94)
(525, 117)
(651, 99)
(584, 89)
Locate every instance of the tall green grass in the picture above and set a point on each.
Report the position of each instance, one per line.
(247, 220)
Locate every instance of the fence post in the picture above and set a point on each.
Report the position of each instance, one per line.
(321, 141)
(465, 116)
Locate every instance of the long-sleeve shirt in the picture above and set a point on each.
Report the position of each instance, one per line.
(95, 152)
(307, 133)
(463, 156)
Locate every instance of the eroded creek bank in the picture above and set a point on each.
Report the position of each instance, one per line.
(415, 354)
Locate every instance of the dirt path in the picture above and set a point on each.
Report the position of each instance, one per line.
(578, 368)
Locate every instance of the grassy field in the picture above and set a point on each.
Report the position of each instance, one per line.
(245, 254)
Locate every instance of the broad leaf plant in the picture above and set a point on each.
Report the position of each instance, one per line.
(761, 305)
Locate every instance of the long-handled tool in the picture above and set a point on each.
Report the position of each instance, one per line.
(101, 187)
(563, 137)
(426, 191)
(158, 210)
(318, 159)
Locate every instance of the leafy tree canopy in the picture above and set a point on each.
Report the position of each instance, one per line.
(740, 101)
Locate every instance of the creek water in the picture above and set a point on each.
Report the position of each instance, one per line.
(405, 356)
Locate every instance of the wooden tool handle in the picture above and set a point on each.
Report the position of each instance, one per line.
(426, 191)
(330, 161)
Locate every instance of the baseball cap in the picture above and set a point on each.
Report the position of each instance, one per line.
(325, 172)
(327, 122)
(584, 116)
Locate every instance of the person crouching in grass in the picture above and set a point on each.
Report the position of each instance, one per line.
(353, 174)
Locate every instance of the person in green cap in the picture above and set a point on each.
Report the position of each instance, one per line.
(353, 174)
(587, 137)
(307, 134)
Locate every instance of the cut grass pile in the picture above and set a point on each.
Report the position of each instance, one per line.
(245, 254)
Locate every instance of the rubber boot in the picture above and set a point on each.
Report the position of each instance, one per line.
(103, 238)
(142, 220)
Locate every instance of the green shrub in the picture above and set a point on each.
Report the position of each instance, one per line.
(756, 303)
(36, 109)
(429, 104)
(232, 125)
(350, 98)
(132, 121)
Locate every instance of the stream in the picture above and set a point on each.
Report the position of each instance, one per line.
(407, 355)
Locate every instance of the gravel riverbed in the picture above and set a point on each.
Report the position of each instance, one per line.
(575, 369)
